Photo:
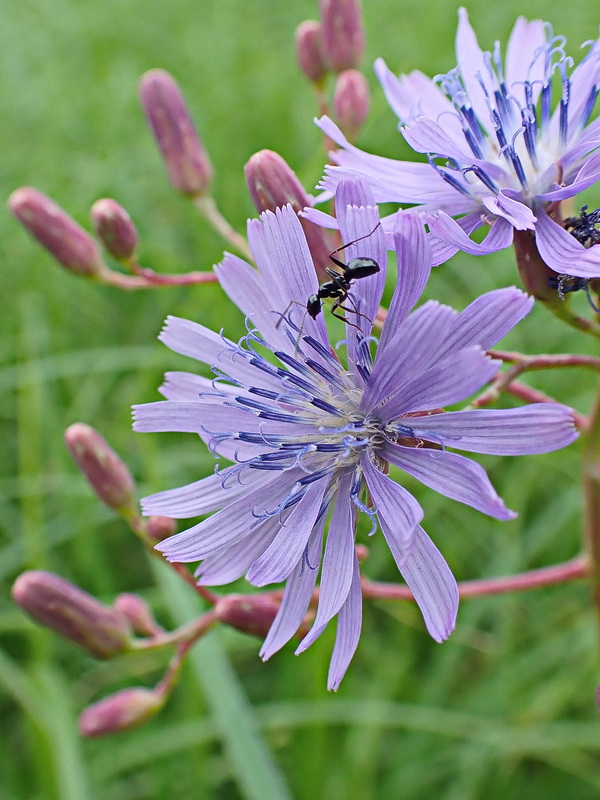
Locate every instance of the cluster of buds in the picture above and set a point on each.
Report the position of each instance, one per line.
(336, 45)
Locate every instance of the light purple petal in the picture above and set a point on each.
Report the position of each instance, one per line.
(414, 267)
(348, 632)
(524, 59)
(447, 382)
(415, 95)
(296, 596)
(200, 497)
(358, 217)
(488, 319)
(511, 209)
(452, 475)
(280, 558)
(230, 563)
(397, 510)
(426, 136)
(536, 428)
(562, 252)
(432, 583)
(230, 525)
(473, 69)
(338, 562)
(414, 346)
(499, 236)
(184, 386)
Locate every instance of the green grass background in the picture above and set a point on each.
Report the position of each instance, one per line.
(505, 709)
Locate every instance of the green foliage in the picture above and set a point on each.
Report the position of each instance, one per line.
(505, 709)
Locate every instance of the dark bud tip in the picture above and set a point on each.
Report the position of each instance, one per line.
(107, 474)
(71, 612)
(186, 160)
(309, 51)
(253, 614)
(56, 231)
(342, 32)
(114, 228)
(351, 102)
(120, 711)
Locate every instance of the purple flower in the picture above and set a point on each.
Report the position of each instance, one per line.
(312, 437)
(498, 155)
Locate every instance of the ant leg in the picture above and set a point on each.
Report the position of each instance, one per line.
(284, 315)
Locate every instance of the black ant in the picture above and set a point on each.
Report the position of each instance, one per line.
(338, 287)
(584, 229)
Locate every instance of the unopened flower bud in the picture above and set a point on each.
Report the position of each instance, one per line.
(351, 101)
(186, 160)
(114, 228)
(342, 31)
(272, 184)
(309, 52)
(122, 710)
(159, 528)
(253, 614)
(137, 612)
(107, 474)
(56, 231)
(75, 614)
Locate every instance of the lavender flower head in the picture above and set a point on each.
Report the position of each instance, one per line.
(498, 154)
(312, 436)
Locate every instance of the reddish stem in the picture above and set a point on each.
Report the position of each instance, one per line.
(558, 573)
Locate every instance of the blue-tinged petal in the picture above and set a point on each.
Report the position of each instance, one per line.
(447, 382)
(201, 497)
(397, 510)
(192, 339)
(415, 95)
(488, 319)
(348, 632)
(474, 71)
(524, 59)
(499, 236)
(536, 428)
(230, 525)
(426, 136)
(286, 267)
(452, 475)
(230, 563)
(320, 218)
(442, 250)
(282, 555)
(588, 175)
(187, 386)
(562, 252)
(359, 219)
(414, 267)
(296, 596)
(432, 583)
(338, 562)
(413, 347)
(510, 208)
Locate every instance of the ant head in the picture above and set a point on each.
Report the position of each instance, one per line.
(361, 268)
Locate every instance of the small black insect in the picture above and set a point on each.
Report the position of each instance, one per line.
(338, 287)
(584, 229)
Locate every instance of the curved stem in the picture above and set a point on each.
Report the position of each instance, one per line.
(208, 208)
(546, 576)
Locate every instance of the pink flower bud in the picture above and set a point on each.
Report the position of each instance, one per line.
(272, 184)
(71, 612)
(351, 101)
(253, 614)
(343, 35)
(137, 612)
(56, 231)
(122, 710)
(309, 52)
(107, 474)
(114, 228)
(159, 528)
(186, 160)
